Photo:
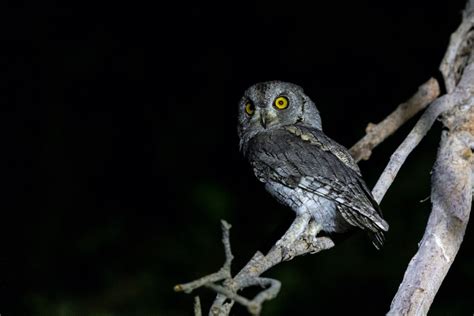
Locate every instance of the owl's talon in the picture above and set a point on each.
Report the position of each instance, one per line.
(287, 253)
(312, 231)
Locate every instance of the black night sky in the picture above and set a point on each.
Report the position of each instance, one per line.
(121, 152)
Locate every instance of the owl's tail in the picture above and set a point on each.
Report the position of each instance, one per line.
(378, 239)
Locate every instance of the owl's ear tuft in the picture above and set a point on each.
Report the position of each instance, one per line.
(310, 113)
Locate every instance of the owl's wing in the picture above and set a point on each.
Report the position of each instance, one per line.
(303, 157)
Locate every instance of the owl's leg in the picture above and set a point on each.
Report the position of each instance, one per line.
(302, 238)
(312, 230)
(296, 230)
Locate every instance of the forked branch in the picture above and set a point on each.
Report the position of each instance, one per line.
(452, 180)
(300, 238)
(451, 199)
(377, 133)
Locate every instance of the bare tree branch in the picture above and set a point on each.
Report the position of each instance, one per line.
(452, 180)
(459, 96)
(197, 306)
(299, 239)
(406, 147)
(377, 133)
(459, 50)
(451, 196)
(222, 274)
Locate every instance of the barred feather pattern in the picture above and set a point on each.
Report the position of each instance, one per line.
(309, 172)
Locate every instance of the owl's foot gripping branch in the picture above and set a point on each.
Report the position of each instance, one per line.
(298, 240)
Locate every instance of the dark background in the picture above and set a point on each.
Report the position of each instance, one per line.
(121, 150)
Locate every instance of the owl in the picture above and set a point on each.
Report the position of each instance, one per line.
(281, 136)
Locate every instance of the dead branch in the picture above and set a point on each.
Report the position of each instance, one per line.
(223, 274)
(451, 196)
(411, 141)
(452, 180)
(197, 306)
(299, 239)
(439, 106)
(377, 133)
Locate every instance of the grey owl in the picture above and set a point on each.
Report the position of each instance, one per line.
(281, 136)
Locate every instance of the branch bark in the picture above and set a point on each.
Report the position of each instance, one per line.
(451, 196)
(299, 239)
(452, 180)
(411, 141)
(377, 133)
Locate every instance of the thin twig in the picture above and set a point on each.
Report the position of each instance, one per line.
(460, 96)
(411, 141)
(229, 294)
(254, 306)
(222, 274)
(197, 306)
(376, 134)
(299, 239)
(272, 288)
(294, 242)
(226, 241)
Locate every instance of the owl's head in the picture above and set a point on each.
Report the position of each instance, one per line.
(274, 104)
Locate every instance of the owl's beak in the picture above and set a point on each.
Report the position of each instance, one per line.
(263, 120)
(267, 118)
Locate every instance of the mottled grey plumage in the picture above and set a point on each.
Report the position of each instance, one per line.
(302, 167)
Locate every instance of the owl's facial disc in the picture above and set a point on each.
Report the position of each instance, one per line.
(270, 105)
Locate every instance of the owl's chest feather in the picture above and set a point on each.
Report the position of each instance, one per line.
(323, 211)
(272, 155)
(278, 161)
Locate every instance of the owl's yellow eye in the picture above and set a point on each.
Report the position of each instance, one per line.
(249, 108)
(281, 103)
